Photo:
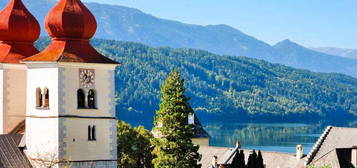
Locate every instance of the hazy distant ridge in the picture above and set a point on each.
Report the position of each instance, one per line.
(349, 53)
(128, 24)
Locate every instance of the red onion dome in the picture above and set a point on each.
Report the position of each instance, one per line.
(17, 24)
(70, 19)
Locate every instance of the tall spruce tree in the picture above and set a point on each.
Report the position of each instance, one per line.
(238, 160)
(235, 161)
(252, 160)
(260, 161)
(174, 147)
(241, 162)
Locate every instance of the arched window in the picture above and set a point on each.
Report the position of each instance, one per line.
(91, 99)
(46, 94)
(38, 98)
(80, 99)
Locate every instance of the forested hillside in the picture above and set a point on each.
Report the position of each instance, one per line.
(226, 88)
(128, 24)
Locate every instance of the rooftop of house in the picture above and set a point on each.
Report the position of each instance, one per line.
(200, 132)
(11, 155)
(333, 147)
(271, 159)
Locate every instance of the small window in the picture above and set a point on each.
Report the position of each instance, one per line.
(38, 98)
(91, 133)
(80, 99)
(91, 99)
(46, 94)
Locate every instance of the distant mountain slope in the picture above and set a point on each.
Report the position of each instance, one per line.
(301, 57)
(128, 24)
(227, 88)
(349, 53)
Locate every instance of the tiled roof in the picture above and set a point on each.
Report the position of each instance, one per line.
(11, 156)
(71, 25)
(333, 138)
(271, 159)
(208, 152)
(200, 132)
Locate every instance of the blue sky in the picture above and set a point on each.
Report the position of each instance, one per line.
(312, 23)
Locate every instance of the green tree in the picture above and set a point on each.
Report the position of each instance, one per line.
(174, 148)
(260, 161)
(238, 160)
(252, 160)
(134, 147)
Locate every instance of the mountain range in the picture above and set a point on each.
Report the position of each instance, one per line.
(349, 53)
(226, 88)
(127, 24)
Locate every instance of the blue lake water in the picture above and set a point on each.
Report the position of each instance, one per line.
(278, 137)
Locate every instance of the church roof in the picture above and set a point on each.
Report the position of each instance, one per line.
(200, 132)
(71, 25)
(18, 30)
(10, 153)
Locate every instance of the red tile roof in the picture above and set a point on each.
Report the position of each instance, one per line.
(18, 30)
(71, 25)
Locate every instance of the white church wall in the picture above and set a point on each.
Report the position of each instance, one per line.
(104, 87)
(46, 77)
(76, 129)
(42, 138)
(14, 90)
(78, 147)
(2, 115)
(42, 126)
(62, 130)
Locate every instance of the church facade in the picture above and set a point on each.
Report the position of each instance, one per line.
(62, 99)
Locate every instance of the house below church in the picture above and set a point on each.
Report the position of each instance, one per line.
(336, 147)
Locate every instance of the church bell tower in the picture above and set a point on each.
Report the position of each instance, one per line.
(70, 115)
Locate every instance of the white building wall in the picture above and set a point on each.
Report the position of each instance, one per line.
(62, 130)
(2, 115)
(14, 90)
(77, 147)
(42, 125)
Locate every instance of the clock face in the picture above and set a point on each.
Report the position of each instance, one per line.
(87, 78)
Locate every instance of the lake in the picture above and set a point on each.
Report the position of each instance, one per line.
(277, 137)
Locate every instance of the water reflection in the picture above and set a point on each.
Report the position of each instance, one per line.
(278, 137)
(282, 137)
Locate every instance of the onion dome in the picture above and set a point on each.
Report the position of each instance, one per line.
(18, 30)
(71, 25)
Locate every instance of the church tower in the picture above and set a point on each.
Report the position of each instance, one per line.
(70, 119)
(18, 30)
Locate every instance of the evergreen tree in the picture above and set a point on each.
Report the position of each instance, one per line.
(174, 147)
(238, 160)
(241, 162)
(235, 161)
(252, 160)
(260, 161)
